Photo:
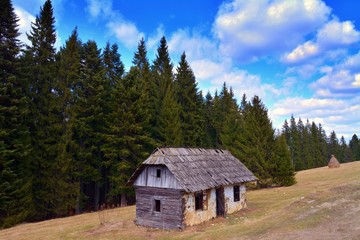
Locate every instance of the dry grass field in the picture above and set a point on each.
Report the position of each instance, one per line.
(324, 204)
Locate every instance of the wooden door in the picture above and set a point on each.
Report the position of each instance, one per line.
(220, 202)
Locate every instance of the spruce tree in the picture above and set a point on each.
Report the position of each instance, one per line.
(141, 62)
(126, 139)
(354, 145)
(260, 140)
(44, 116)
(323, 140)
(89, 127)
(316, 146)
(334, 146)
(113, 66)
(15, 176)
(210, 131)
(165, 117)
(295, 145)
(191, 104)
(68, 81)
(283, 172)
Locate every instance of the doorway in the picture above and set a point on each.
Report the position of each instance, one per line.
(220, 209)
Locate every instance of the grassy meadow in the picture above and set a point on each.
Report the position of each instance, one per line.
(307, 209)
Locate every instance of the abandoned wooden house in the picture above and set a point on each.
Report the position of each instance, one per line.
(178, 187)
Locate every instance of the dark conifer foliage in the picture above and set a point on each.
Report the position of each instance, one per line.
(355, 148)
(15, 176)
(165, 117)
(89, 126)
(44, 120)
(191, 104)
(113, 66)
(283, 171)
(310, 147)
(74, 124)
(67, 89)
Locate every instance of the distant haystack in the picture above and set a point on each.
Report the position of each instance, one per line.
(333, 163)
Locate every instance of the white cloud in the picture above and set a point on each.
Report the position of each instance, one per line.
(99, 8)
(331, 36)
(336, 34)
(242, 82)
(352, 63)
(196, 46)
(339, 80)
(25, 20)
(247, 31)
(206, 69)
(126, 32)
(302, 52)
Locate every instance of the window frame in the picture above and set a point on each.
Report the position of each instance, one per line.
(199, 201)
(157, 207)
(158, 173)
(236, 193)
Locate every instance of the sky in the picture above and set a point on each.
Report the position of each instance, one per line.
(301, 57)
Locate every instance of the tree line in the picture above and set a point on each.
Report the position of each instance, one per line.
(310, 147)
(75, 124)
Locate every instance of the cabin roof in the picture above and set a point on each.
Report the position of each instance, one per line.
(199, 169)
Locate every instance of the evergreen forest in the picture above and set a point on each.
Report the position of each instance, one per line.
(74, 124)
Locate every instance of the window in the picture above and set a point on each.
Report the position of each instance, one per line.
(157, 205)
(236, 193)
(199, 201)
(158, 173)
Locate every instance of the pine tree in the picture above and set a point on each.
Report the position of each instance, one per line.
(190, 100)
(354, 145)
(210, 131)
(68, 80)
(287, 132)
(89, 127)
(295, 145)
(262, 136)
(334, 146)
(224, 105)
(44, 118)
(126, 139)
(323, 140)
(283, 172)
(165, 118)
(141, 62)
(345, 152)
(15, 176)
(316, 146)
(256, 140)
(113, 66)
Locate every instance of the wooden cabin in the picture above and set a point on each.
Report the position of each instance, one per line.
(178, 187)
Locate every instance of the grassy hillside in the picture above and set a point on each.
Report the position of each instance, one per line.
(324, 204)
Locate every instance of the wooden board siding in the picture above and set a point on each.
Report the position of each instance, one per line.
(148, 177)
(171, 214)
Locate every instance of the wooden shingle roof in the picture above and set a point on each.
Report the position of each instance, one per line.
(199, 169)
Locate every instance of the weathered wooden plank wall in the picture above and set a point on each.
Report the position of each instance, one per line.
(148, 177)
(171, 214)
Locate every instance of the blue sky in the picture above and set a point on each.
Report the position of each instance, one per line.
(302, 57)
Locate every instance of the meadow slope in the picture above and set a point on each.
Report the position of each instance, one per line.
(324, 204)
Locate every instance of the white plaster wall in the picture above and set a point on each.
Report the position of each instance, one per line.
(192, 217)
(230, 205)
